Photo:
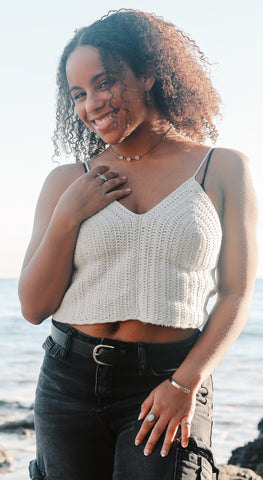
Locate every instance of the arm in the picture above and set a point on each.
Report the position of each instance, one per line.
(236, 276)
(68, 197)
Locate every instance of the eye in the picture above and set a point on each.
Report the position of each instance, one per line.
(107, 83)
(78, 95)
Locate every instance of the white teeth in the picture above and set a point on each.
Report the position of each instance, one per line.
(103, 120)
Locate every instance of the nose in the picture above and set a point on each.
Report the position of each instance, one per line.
(94, 102)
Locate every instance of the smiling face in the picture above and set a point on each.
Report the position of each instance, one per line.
(112, 107)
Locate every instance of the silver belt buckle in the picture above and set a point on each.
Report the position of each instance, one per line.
(96, 352)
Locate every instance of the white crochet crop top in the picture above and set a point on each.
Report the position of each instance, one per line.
(157, 267)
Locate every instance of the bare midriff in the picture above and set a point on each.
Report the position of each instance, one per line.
(136, 331)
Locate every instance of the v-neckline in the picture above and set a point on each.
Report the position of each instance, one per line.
(117, 202)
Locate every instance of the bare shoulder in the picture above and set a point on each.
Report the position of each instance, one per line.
(230, 155)
(61, 177)
(230, 166)
(234, 176)
(58, 180)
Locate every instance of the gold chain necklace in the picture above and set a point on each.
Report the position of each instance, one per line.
(138, 157)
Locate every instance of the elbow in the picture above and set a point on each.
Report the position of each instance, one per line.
(34, 310)
(32, 316)
(30, 310)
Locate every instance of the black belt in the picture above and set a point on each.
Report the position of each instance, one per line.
(100, 353)
(118, 354)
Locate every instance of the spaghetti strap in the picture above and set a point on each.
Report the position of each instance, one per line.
(206, 167)
(86, 166)
(209, 153)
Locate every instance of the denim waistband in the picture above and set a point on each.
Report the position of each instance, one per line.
(114, 352)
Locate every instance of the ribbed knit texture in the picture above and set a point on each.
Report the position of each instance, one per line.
(157, 267)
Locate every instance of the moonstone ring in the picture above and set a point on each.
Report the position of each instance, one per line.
(103, 177)
(151, 417)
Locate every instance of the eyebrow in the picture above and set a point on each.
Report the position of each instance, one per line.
(93, 80)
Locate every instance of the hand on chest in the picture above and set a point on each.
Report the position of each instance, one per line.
(150, 185)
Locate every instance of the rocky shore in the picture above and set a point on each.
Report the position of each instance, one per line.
(17, 440)
(245, 463)
(251, 454)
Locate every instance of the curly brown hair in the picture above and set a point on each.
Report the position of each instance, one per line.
(183, 91)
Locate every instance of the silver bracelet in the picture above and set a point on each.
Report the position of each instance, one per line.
(176, 385)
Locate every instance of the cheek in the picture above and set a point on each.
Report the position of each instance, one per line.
(127, 96)
(135, 106)
(80, 111)
(135, 97)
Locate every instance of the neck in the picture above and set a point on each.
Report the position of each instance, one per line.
(142, 139)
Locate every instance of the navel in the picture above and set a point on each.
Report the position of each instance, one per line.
(114, 327)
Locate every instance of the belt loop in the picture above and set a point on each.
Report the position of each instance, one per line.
(67, 345)
(141, 358)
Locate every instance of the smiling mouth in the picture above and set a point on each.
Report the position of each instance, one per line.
(100, 122)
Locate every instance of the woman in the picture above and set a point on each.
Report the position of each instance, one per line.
(126, 250)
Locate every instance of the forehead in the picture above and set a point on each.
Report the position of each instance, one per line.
(84, 61)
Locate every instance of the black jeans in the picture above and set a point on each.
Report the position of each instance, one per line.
(86, 414)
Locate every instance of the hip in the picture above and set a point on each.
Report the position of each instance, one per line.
(111, 364)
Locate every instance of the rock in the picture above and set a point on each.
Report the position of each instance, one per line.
(15, 404)
(26, 423)
(232, 472)
(5, 460)
(260, 427)
(251, 454)
(25, 433)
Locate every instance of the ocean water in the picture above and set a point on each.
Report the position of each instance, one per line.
(238, 379)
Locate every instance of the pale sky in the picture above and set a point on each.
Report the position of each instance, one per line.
(33, 35)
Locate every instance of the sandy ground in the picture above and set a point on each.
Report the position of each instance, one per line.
(22, 450)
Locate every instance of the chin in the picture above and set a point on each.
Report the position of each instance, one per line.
(125, 135)
(113, 138)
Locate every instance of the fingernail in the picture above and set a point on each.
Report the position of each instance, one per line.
(128, 189)
(146, 452)
(184, 444)
(163, 453)
(124, 178)
(137, 442)
(140, 416)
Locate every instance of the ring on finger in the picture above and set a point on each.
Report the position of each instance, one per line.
(102, 176)
(151, 417)
(187, 422)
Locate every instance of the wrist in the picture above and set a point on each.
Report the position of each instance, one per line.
(189, 382)
(178, 386)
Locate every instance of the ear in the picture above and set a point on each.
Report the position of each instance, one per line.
(148, 81)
